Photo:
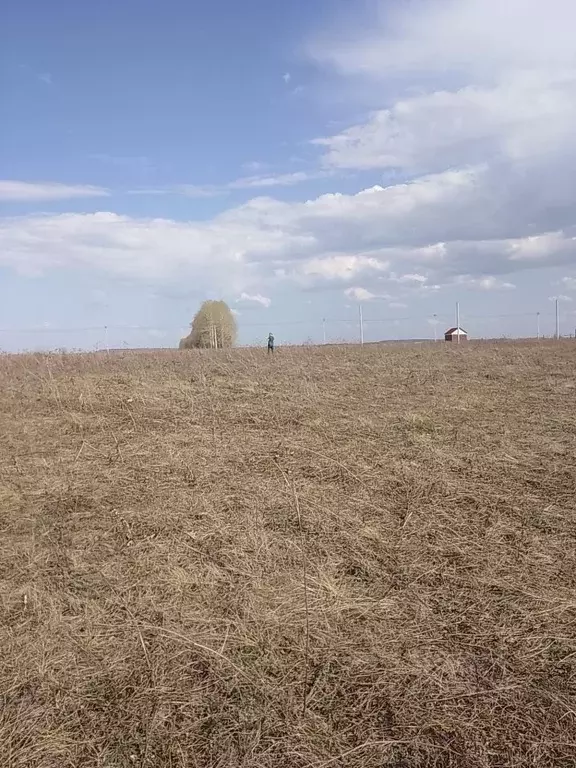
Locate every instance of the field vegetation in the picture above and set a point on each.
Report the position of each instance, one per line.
(341, 556)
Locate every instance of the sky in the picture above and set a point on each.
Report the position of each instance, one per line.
(298, 160)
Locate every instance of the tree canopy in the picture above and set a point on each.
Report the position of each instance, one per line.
(213, 327)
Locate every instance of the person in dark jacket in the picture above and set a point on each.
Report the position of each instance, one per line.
(270, 342)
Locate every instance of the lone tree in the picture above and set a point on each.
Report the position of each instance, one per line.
(213, 327)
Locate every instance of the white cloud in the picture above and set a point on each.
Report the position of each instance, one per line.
(24, 191)
(186, 190)
(410, 279)
(340, 266)
(424, 233)
(244, 182)
(397, 305)
(256, 299)
(540, 247)
(476, 38)
(560, 297)
(487, 283)
(280, 180)
(149, 249)
(45, 77)
(474, 99)
(525, 115)
(493, 284)
(359, 294)
(569, 283)
(487, 86)
(286, 77)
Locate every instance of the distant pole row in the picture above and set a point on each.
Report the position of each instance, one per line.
(435, 323)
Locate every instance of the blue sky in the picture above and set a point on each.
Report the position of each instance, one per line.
(295, 159)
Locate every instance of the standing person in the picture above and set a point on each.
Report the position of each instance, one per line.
(270, 342)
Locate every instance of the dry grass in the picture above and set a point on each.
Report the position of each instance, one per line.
(333, 557)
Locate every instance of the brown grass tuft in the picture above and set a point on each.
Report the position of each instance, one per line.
(336, 557)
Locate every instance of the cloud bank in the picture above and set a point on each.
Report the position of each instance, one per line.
(475, 106)
(23, 191)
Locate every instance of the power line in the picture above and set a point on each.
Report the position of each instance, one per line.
(507, 314)
(320, 323)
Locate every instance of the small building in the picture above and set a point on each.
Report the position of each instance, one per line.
(456, 334)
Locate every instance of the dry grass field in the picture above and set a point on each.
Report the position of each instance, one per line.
(331, 557)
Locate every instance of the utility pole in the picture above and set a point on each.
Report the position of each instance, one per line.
(557, 319)
(324, 330)
(458, 322)
(106, 339)
(361, 324)
(538, 326)
(435, 327)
